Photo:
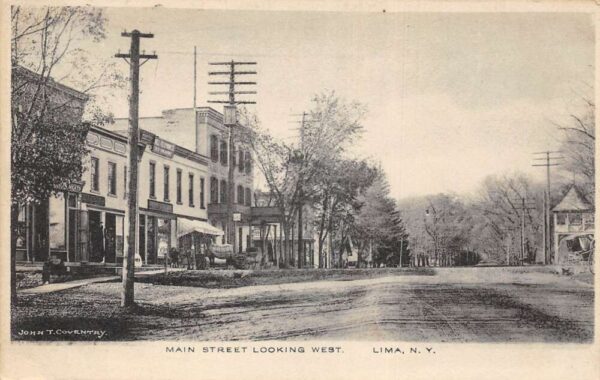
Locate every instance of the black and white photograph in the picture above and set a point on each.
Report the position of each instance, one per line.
(298, 176)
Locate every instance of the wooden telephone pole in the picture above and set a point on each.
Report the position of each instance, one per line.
(550, 160)
(127, 297)
(230, 121)
(301, 255)
(522, 205)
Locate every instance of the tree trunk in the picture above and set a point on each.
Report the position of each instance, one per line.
(330, 250)
(322, 234)
(14, 219)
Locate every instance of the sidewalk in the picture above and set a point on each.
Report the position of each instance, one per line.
(49, 288)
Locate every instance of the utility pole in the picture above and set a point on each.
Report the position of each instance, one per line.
(127, 296)
(230, 121)
(523, 205)
(301, 256)
(550, 160)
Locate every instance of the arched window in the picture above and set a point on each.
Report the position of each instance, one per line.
(248, 163)
(214, 148)
(240, 194)
(248, 197)
(223, 191)
(223, 152)
(214, 190)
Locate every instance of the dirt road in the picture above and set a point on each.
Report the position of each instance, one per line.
(455, 305)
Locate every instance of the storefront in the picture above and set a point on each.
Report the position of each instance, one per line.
(50, 228)
(157, 232)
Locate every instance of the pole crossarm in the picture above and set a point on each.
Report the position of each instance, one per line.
(229, 72)
(228, 102)
(234, 62)
(230, 120)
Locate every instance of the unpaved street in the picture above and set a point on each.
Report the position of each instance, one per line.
(455, 305)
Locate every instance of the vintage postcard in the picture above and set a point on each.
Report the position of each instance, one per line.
(298, 190)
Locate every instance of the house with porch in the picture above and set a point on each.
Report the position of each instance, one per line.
(573, 228)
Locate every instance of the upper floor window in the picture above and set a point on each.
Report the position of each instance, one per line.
(224, 153)
(214, 190)
(125, 181)
(112, 178)
(248, 162)
(166, 183)
(241, 161)
(248, 197)
(191, 189)
(202, 205)
(588, 219)
(152, 180)
(240, 194)
(94, 184)
(224, 190)
(178, 190)
(214, 148)
(575, 218)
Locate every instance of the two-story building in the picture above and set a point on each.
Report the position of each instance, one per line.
(46, 227)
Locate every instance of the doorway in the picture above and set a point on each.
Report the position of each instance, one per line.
(96, 236)
(110, 238)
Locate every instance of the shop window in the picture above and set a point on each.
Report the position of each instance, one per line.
(164, 237)
(112, 178)
(202, 205)
(119, 235)
(191, 189)
(95, 171)
(223, 191)
(152, 180)
(223, 153)
(248, 163)
(179, 186)
(214, 148)
(214, 190)
(56, 218)
(166, 183)
(248, 197)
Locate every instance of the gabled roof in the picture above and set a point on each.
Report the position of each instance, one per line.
(573, 201)
(50, 82)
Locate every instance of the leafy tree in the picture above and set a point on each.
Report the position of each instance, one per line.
(47, 135)
(293, 170)
(379, 227)
(337, 187)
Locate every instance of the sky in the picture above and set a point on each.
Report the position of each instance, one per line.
(451, 97)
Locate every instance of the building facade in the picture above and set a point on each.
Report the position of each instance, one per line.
(202, 132)
(42, 228)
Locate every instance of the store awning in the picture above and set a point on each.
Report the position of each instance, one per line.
(185, 226)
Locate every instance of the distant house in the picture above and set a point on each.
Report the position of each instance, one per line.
(573, 228)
